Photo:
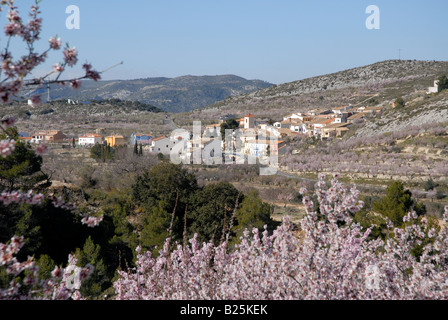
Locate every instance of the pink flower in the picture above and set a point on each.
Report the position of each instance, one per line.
(13, 29)
(55, 43)
(71, 56)
(7, 147)
(5, 96)
(92, 221)
(87, 66)
(56, 273)
(92, 74)
(76, 84)
(41, 149)
(8, 122)
(36, 100)
(58, 67)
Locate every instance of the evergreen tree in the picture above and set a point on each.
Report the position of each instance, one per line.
(21, 170)
(98, 280)
(228, 124)
(443, 83)
(163, 194)
(211, 210)
(253, 213)
(397, 203)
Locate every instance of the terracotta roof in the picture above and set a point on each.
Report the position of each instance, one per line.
(249, 116)
(47, 133)
(319, 121)
(163, 137)
(92, 135)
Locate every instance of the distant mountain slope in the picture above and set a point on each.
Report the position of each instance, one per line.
(179, 94)
(373, 84)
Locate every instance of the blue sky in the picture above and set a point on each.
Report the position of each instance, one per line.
(276, 41)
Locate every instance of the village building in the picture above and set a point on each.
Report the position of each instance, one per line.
(249, 121)
(90, 140)
(141, 138)
(164, 145)
(50, 136)
(434, 89)
(212, 131)
(333, 130)
(115, 140)
(340, 110)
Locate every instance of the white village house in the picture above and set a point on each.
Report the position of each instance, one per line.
(434, 89)
(90, 139)
(164, 145)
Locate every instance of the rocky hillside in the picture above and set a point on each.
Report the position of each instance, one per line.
(179, 94)
(374, 84)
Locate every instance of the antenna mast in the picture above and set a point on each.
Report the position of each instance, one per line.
(48, 92)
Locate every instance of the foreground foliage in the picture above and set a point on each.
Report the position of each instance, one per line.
(333, 260)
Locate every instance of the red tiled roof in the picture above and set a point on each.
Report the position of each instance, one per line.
(92, 135)
(163, 137)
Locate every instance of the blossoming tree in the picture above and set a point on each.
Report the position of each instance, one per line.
(333, 260)
(15, 75)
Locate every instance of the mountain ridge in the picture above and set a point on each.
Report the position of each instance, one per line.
(384, 79)
(179, 94)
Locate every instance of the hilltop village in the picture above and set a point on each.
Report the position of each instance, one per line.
(249, 136)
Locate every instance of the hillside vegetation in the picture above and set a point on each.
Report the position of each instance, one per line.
(179, 94)
(376, 84)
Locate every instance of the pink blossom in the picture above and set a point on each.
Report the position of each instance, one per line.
(41, 149)
(94, 75)
(54, 288)
(71, 56)
(36, 100)
(329, 262)
(76, 84)
(7, 147)
(13, 29)
(8, 122)
(55, 43)
(92, 221)
(58, 67)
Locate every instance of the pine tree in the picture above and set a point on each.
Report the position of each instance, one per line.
(135, 148)
(96, 283)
